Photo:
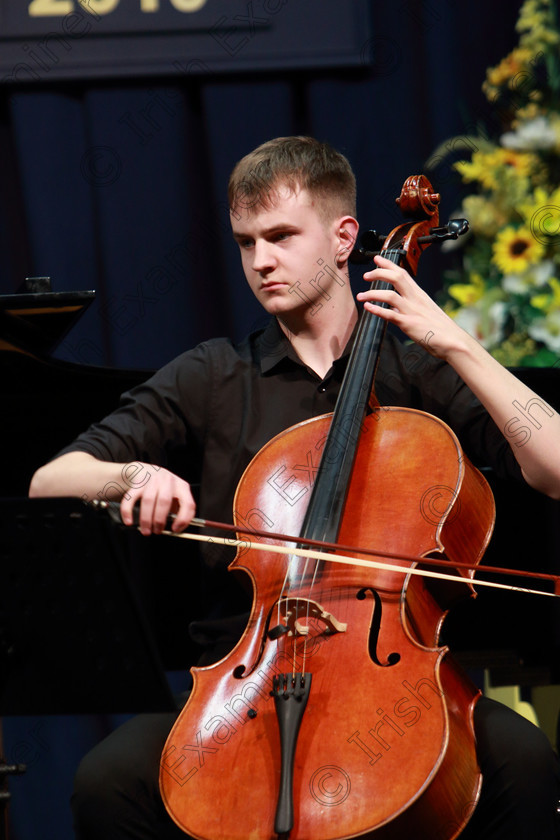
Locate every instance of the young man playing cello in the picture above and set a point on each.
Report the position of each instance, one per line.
(293, 210)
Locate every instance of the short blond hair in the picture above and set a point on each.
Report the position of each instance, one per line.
(294, 163)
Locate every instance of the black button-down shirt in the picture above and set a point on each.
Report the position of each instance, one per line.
(209, 411)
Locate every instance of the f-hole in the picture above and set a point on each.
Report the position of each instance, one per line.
(375, 629)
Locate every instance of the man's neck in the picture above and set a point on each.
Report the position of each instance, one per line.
(319, 341)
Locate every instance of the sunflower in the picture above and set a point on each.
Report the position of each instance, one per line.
(515, 249)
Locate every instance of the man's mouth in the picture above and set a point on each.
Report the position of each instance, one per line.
(271, 285)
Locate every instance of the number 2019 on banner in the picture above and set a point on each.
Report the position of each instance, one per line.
(57, 8)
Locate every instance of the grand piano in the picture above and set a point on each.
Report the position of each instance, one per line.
(47, 402)
(77, 589)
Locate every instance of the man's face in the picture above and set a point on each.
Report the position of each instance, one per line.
(283, 248)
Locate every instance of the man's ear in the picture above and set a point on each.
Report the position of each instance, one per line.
(347, 233)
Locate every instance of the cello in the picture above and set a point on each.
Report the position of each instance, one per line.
(337, 714)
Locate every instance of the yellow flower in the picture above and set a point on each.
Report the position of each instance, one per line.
(555, 285)
(527, 210)
(468, 293)
(538, 35)
(513, 305)
(540, 301)
(508, 68)
(485, 217)
(514, 162)
(476, 170)
(515, 249)
(542, 214)
(528, 112)
(529, 16)
(536, 22)
(514, 350)
(548, 301)
(492, 168)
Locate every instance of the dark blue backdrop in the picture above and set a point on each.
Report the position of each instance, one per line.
(120, 187)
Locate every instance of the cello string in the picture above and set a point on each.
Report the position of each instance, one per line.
(317, 597)
(283, 598)
(391, 254)
(307, 617)
(286, 597)
(293, 563)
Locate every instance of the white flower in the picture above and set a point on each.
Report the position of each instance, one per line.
(534, 134)
(547, 330)
(485, 323)
(536, 276)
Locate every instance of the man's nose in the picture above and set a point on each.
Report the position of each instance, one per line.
(263, 258)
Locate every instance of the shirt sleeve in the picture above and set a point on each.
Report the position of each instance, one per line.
(161, 421)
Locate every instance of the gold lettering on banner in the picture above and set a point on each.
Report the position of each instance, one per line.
(98, 7)
(188, 5)
(50, 8)
(61, 8)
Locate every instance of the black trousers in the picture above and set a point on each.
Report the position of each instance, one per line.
(116, 791)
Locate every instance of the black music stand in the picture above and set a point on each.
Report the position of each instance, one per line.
(73, 636)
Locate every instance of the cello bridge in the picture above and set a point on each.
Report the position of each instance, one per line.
(296, 612)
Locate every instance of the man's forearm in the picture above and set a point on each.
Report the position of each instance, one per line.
(529, 424)
(80, 474)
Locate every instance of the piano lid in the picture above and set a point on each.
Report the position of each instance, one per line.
(49, 401)
(36, 320)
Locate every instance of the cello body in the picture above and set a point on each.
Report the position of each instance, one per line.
(385, 746)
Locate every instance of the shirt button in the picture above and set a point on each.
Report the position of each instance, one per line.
(322, 389)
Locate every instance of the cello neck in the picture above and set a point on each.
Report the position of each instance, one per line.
(326, 505)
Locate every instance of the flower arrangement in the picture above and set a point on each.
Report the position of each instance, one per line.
(507, 290)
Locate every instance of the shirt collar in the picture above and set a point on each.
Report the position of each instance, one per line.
(275, 347)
